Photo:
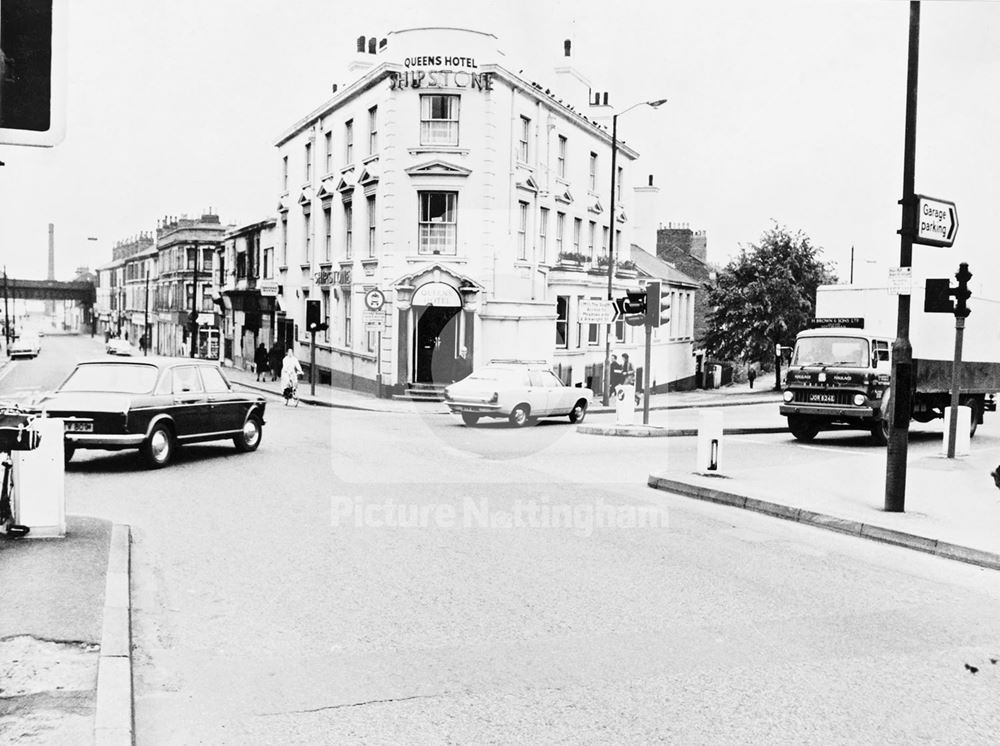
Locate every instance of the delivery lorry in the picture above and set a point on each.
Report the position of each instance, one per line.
(840, 370)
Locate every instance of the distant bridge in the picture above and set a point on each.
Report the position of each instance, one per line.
(83, 292)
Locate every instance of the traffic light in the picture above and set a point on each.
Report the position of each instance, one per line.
(657, 305)
(962, 292)
(313, 315)
(635, 302)
(938, 294)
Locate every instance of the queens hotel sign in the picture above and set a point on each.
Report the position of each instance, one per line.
(445, 72)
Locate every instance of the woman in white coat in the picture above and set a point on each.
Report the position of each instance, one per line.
(291, 371)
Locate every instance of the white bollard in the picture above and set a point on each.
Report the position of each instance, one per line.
(709, 441)
(39, 482)
(963, 421)
(625, 404)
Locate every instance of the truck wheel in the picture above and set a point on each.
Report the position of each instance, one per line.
(976, 405)
(880, 432)
(470, 419)
(802, 429)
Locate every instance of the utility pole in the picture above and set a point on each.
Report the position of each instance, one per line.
(145, 321)
(193, 326)
(852, 265)
(900, 394)
(6, 309)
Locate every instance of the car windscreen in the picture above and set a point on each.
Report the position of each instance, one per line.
(831, 351)
(504, 376)
(118, 379)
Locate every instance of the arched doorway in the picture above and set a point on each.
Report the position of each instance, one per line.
(438, 332)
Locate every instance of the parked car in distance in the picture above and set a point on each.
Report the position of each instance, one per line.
(519, 390)
(154, 405)
(26, 345)
(118, 346)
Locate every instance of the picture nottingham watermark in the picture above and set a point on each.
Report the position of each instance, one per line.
(583, 518)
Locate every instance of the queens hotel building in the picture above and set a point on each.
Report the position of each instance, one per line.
(476, 202)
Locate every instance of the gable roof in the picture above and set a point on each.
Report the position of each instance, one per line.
(654, 267)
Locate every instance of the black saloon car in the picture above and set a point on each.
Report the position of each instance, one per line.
(155, 405)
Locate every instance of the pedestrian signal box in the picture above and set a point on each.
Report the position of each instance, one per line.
(657, 305)
(635, 301)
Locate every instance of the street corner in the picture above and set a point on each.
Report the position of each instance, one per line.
(626, 431)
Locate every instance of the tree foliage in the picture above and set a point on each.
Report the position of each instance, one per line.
(764, 296)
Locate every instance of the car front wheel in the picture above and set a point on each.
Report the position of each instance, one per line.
(579, 412)
(158, 449)
(68, 452)
(249, 437)
(519, 416)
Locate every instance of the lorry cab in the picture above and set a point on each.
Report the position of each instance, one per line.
(837, 378)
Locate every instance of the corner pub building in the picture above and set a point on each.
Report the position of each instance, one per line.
(476, 201)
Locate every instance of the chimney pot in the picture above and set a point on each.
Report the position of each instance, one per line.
(334, 87)
(361, 44)
(567, 45)
(605, 98)
(651, 179)
(372, 45)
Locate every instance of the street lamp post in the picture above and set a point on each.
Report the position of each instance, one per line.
(144, 340)
(611, 240)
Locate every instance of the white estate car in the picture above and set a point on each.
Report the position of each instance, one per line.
(118, 346)
(518, 390)
(26, 345)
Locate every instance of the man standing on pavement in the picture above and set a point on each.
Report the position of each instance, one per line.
(615, 374)
(463, 366)
(751, 375)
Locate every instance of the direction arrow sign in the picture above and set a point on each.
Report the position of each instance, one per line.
(596, 311)
(937, 221)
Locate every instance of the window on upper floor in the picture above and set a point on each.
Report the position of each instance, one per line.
(328, 154)
(241, 265)
(438, 224)
(560, 232)
(307, 238)
(543, 238)
(522, 144)
(348, 229)
(309, 162)
(373, 130)
(349, 142)
(192, 258)
(577, 230)
(593, 172)
(284, 240)
(327, 233)
(618, 183)
(522, 230)
(267, 268)
(561, 158)
(370, 200)
(284, 174)
(591, 233)
(439, 119)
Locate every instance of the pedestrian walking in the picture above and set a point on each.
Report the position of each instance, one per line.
(615, 376)
(274, 357)
(291, 371)
(627, 369)
(751, 375)
(260, 360)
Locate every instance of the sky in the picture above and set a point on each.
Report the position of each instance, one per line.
(778, 112)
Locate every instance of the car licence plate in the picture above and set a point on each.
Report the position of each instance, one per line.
(823, 398)
(79, 427)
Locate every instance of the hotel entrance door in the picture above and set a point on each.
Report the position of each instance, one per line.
(437, 343)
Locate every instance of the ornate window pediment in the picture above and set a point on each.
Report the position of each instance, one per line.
(564, 196)
(344, 185)
(326, 190)
(621, 217)
(596, 207)
(528, 184)
(438, 168)
(282, 205)
(369, 175)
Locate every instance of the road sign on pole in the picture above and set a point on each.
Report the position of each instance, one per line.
(374, 320)
(374, 299)
(597, 311)
(937, 221)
